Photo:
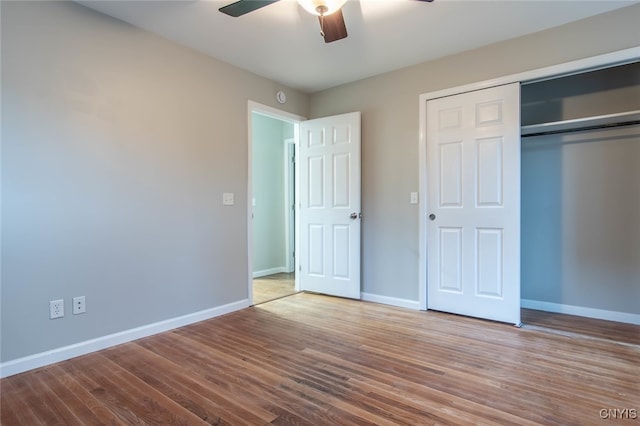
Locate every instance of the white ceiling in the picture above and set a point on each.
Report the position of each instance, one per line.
(282, 41)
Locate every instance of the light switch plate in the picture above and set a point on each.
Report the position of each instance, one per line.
(227, 198)
(414, 198)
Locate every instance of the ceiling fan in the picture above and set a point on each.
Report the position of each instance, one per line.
(329, 12)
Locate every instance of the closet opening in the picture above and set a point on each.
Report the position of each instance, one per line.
(580, 194)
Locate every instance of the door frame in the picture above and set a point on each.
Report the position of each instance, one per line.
(255, 107)
(290, 156)
(573, 67)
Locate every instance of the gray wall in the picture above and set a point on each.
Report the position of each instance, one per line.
(581, 219)
(389, 105)
(116, 148)
(268, 187)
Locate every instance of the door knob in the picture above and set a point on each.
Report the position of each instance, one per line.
(432, 216)
(353, 215)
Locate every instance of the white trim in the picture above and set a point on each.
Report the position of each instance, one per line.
(289, 200)
(259, 108)
(30, 362)
(268, 111)
(296, 196)
(581, 311)
(393, 301)
(567, 68)
(265, 272)
(423, 202)
(600, 61)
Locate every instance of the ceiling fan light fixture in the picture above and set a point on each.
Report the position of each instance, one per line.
(322, 7)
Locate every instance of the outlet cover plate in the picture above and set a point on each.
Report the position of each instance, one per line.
(56, 309)
(79, 305)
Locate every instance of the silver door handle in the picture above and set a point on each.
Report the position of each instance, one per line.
(353, 215)
(432, 216)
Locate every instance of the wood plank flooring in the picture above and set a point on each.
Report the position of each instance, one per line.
(273, 287)
(580, 326)
(315, 360)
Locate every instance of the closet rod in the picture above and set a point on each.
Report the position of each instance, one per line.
(581, 124)
(602, 126)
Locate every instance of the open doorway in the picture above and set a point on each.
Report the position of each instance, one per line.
(272, 206)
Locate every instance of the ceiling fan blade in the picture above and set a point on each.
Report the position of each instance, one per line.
(333, 27)
(242, 7)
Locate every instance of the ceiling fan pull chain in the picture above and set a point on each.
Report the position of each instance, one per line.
(321, 23)
(322, 9)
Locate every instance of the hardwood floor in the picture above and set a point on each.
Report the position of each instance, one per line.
(273, 287)
(316, 360)
(571, 325)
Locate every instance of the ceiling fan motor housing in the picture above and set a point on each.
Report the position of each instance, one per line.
(322, 7)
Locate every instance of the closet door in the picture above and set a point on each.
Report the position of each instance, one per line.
(473, 241)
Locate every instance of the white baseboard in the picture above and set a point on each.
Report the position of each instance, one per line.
(393, 301)
(30, 362)
(581, 311)
(265, 272)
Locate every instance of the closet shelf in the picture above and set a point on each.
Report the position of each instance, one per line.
(599, 121)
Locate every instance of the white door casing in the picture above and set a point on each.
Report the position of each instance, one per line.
(289, 203)
(473, 178)
(329, 164)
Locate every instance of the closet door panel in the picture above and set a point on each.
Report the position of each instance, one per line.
(473, 235)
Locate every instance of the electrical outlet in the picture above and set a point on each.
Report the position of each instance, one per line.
(56, 309)
(79, 305)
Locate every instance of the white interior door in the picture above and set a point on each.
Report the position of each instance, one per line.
(473, 231)
(329, 161)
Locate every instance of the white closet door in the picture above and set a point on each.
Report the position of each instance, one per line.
(473, 242)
